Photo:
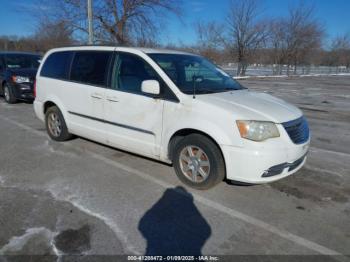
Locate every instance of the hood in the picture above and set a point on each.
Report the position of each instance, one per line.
(28, 72)
(253, 106)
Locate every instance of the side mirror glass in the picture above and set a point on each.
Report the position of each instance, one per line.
(150, 87)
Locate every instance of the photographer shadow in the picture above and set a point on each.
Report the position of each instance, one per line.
(174, 225)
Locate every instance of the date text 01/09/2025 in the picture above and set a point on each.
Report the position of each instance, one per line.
(173, 258)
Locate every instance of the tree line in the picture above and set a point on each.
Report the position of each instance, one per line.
(244, 35)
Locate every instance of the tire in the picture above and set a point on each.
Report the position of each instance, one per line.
(8, 95)
(55, 125)
(205, 165)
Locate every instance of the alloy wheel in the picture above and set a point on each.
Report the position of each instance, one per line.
(194, 164)
(54, 124)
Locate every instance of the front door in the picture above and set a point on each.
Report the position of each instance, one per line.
(134, 118)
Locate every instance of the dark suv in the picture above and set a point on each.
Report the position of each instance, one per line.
(17, 75)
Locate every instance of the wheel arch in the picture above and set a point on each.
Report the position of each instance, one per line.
(54, 101)
(179, 134)
(47, 105)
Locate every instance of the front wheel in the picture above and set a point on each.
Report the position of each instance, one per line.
(55, 125)
(198, 162)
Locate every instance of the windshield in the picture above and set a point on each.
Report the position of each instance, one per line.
(19, 61)
(191, 72)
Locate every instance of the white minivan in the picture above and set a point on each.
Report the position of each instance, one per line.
(172, 106)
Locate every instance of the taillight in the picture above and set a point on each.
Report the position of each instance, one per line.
(34, 89)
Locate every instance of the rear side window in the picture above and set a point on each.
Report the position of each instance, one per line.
(91, 67)
(57, 65)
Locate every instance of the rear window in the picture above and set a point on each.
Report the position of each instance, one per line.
(91, 67)
(57, 65)
(22, 61)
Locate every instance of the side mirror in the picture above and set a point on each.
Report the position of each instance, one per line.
(150, 87)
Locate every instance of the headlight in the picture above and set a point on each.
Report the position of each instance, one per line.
(257, 130)
(20, 79)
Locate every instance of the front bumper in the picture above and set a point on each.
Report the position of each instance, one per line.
(257, 165)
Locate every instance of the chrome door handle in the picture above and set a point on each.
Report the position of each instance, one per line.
(112, 99)
(96, 95)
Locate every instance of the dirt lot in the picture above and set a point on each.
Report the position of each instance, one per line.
(84, 198)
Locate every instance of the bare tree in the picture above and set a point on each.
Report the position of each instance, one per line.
(278, 44)
(118, 21)
(340, 51)
(295, 38)
(210, 39)
(210, 34)
(47, 35)
(51, 34)
(15, 43)
(247, 32)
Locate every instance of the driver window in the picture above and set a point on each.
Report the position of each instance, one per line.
(130, 71)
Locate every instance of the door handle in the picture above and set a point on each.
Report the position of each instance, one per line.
(96, 95)
(112, 99)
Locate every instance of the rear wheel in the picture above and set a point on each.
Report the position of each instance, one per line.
(55, 125)
(198, 162)
(8, 95)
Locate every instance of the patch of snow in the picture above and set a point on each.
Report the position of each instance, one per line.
(16, 244)
(286, 76)
(47, 148)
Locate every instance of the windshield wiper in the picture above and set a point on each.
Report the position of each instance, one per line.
(225, 89)
(205, 91)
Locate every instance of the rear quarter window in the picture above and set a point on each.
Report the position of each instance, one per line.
(91, 67)
(57, 65)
